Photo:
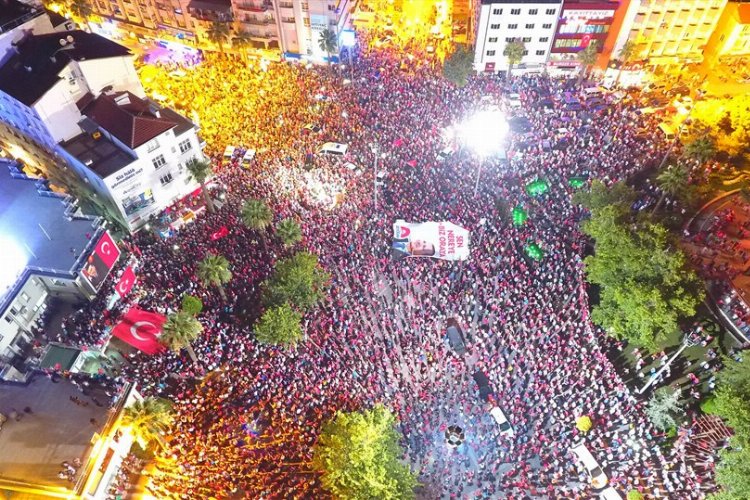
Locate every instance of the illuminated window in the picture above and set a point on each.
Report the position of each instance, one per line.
(159, 161)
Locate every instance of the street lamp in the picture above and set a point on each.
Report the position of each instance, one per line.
(348, 39)
(688, 341)
(484, 133)
(376, 174)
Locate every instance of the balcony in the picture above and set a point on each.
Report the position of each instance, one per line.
(211, 10)
(255, 7)
(259, 22)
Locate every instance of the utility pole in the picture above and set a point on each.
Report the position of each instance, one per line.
(686, 342)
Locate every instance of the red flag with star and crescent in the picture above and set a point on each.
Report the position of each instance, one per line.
(141, 329)
(127, 280)
(107, 250)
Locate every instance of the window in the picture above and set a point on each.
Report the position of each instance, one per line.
(493, 39)
(529, 26)
(512, 26)
(497, 12)
(166, 179)
(8, 319)
(185, 146)
(526, 39)
(515, 12)
(533, 12)
(494, 26)
(550, 12)
(540, 52)
(490, 52)
(547, 26)
(526, 52)
(152, 145)
(509, 39)
(159, 161)
(544, 39)
(25, 296)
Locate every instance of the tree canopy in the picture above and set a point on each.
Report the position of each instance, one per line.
(179, 331)
(289, 232)
(359, 456)
(646, 284)
(149, 420)
(514, 52)
(191, 305)
(459, 65)
(279, 325)
(663, 408)
(213, 270)
(297, 280)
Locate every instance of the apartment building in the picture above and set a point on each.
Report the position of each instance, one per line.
(731, 36)
(502, 21)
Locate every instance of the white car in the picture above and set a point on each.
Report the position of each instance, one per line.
(229, 151)
(598, 478)
(333, 148)
(502, 421)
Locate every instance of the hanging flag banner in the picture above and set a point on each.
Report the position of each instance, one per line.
(534, 251)
(220, 233)
(441, 240)
(537, 187)
(141, 329)
(519, 216)
(127, 280)
(98, 264)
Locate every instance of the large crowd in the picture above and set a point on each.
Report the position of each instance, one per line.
(247, 415)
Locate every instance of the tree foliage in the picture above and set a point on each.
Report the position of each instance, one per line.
(149, 420)
(358, 454)
(514, 52)
(458, 66)
(213, 270)
(701, 149)
(619, 195)
(191, 305)
(297, 280)
(673, 181)
(289, 232)
(725, 121)
(280, 325)
(646, 285)
(201, 170)
(256, 215)
(180, 331)
(328, 43)
(587, 57)
(218, 33)
(664, 407)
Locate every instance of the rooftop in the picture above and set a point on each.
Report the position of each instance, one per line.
(56, 431)
(30, 73)
(132, 120)
(100, 155)
(37, 230)
(14, 13)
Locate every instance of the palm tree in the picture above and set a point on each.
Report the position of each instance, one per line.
(81, 9)
(289, 232)
(218, 33)
(514, 52)
(587, 57)
(149, 420)
(242, 42)
(701, 149)
(626, 54)
(179, 331)
(214, 271)
(201, 170)
(328, 42)
(672, 181)
(257, 216)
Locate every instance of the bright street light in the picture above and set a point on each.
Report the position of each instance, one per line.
(484, 131)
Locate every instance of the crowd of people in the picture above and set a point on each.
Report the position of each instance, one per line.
(247, 415)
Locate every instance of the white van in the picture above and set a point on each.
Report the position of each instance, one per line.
(668, 131)
(229, 152)
(609, 494)
(333, 148)
(248, 157)
(592, 92)
(502, 421)
(598, 478)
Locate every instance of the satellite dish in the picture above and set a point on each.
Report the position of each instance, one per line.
(63, 42)
(69, 38)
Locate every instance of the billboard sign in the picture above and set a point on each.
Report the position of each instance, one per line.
(441, 240)
(101, 260)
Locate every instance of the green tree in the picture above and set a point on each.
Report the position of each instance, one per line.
(214, 271)
(733, 473)
(191, 305)
(514, 52)
(458, 66)
(218, 33)
(736, 376)
(626, 55)
(646, 284)
(664, 407)
(149, 421)
(358, 455)
(328, 43)
(256, 215)
(81, 9)
(587, 57)
(619, 195)
(289, 232)
(242, 42)
(279, 325)
(701, 149)
(201, 170)
(634, 495)
(672, 181)
(180, 331)
(298, 280)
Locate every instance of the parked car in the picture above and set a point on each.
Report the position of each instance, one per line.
(333, 148)
(597, 476)
(483, 382)
(456, 339)
(502, 421)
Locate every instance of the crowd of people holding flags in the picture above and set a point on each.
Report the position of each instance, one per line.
(247, 414)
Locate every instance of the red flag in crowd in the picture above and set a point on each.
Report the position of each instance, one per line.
(107, 250)
(220, 233)
(127, 280)
(412, 163)
(141, 329)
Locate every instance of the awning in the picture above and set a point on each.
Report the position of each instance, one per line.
(59, 357)
(223, 6)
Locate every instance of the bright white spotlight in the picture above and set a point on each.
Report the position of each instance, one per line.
(347, 38)
(14, 262)
(484, 132)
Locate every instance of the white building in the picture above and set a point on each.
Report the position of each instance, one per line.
(502, 21)
(18, 19)
(78, 96)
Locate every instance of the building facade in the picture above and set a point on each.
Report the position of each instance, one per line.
(667, 32)
(502, 21)
(731, 36)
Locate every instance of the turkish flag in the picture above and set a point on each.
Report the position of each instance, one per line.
(141, 329)
(220, 233)
(107, 250)
(412, 163)
(585, 41)
(127, 280)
